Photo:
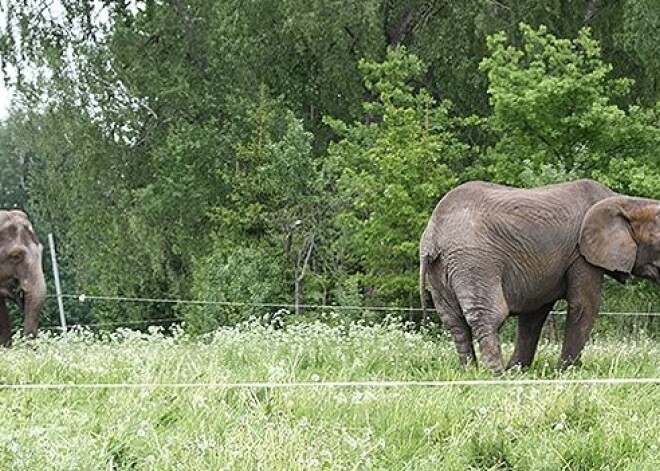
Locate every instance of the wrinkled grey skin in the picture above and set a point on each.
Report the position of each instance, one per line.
(21, 273)
(491, 251)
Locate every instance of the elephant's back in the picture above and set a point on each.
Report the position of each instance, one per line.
(460, 207)
(482, 219)
(490, 198)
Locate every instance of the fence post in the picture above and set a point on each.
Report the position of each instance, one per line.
(56, 275)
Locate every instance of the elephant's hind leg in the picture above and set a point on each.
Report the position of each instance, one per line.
(485, 309)
(454, 322)
(529, 332)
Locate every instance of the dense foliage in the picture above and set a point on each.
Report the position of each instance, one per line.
(291, 152)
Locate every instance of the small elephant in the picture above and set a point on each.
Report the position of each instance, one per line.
(21, 273)
(490, 251)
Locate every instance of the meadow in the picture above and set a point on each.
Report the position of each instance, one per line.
(485, 427)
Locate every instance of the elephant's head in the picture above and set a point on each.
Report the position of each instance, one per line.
(622, 235)
(21, 272)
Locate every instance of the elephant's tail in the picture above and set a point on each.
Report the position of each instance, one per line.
(423, 266)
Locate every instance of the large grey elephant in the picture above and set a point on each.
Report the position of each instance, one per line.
(21, 273)
(490, 251)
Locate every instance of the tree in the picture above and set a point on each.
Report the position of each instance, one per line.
(389, 173)
(261, 250)
(13, 171)
(636, 35)
(554, 111)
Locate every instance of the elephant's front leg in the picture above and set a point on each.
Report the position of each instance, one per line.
(583, 296)
(5, 325)
(529, 332)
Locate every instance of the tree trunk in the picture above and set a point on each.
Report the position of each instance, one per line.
(591, 11)
(398, 29)
(300, 273)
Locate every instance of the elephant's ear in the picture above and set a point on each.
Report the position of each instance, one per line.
(606, 238)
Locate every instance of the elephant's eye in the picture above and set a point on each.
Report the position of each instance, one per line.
(8, 233)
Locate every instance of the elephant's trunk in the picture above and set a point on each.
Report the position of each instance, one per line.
(33, 286)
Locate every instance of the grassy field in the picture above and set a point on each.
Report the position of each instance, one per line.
(551, 427)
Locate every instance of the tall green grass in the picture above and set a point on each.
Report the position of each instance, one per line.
(570, 427)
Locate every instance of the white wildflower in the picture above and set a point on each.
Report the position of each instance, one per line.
(561, 424)
(277, 373)
(198, 401)
(204, 444)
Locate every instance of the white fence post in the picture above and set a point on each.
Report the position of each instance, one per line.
(56, 275)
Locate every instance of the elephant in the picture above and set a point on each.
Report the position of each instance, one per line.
(491, 251)
(21, 273)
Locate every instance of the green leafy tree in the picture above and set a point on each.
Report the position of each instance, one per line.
(554, 111)
(637, 36)
(390, 171)
(262, 248)
(14, 167)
